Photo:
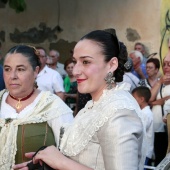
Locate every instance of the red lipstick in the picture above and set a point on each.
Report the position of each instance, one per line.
(80, 80)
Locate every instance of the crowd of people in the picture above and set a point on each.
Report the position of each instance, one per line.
(102, 109)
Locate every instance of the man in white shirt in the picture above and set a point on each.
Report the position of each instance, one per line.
(49, 79)
(54, 55)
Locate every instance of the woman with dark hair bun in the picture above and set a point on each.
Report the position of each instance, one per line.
(108, 132)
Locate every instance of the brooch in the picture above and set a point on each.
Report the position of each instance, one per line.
(8, 120)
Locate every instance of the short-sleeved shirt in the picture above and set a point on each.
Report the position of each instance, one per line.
(50, 80)
(60, 69)
(143, 68)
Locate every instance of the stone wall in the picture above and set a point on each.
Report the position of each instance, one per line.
(61, 23)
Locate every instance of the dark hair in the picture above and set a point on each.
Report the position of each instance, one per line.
(142, 91)
(108, 40)
(155, 61)
(67, 62)
(139, 43)
(29, 52)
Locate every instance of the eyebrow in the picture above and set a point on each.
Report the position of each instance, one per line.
(82, 57)
(17, 65)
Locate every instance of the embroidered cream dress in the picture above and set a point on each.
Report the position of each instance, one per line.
(46, 107)
(107, 134)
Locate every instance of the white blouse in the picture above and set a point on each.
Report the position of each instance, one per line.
(7, 111)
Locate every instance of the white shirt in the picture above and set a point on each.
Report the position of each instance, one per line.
(159, 125)
(166, 107)
(60, 69)
(50, 80)
(130, 78)
(148, 119)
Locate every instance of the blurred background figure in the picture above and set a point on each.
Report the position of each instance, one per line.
(142, 95)
(152, 69)
(160, 94)
(70, 84)
(139, 68)
(128, 77)
(47, 78)
(1, 56)
(2, 84)
(49, 63)
(141, 48)
(55, 55)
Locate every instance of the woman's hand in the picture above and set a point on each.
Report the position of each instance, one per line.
(136, 63)
(165, 79)
(51, 156)
(165, 119)
(23, 166)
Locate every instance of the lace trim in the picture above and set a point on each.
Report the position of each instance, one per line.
(49, 107)
(89, 121)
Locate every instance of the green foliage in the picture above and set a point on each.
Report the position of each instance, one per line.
(18, 5)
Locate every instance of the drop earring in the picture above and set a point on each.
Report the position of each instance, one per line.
(35, 85)
(110, 80)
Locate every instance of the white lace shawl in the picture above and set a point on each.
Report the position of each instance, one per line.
(93, 116)
(48, 107)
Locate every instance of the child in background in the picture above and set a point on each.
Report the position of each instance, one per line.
(142, 95)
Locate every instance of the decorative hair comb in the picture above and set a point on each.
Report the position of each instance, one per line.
(35, 50)
(128, 65)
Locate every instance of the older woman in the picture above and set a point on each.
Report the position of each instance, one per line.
(28, 117)
(139, 67)
(152, 69)
(160, 93)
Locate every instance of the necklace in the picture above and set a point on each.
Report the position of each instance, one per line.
(19, 105)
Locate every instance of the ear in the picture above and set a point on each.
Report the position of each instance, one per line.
(157, 70)
(36, 71)
(113, 64)
(142, 99)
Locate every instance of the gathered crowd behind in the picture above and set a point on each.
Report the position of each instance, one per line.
(47, 78)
